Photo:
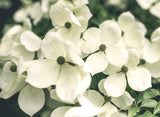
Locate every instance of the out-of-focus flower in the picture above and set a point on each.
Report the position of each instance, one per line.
(152, 5)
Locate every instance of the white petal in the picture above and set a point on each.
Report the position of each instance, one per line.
(111, 32)
(72, 34)
(95, 97)
(59, 15)
(20, 51)
(133, 57)
(97, 62)
(30, 40)
(153, 68)
(31, 100)
(53, 46)
(7, 74)
(92, 43)
(82, 11)
(109, 110)
(54, 96)
(115, 84)
(85, 84)
(43, 73)
(145, 4)
(72, 54)
(45, 5)
(68, 83)
(36, 12)
(155, 10)
(83, 112)
(117, 55)
(5, 46)
(86, 110)
(13, 86)
(126, 21)
(123, 101)
(101, 87)
(155, 34)
(73, 18)
(112, 69)
(134, 38)
(60, 111)
(151, 52)
(20, 15)
(139, 78)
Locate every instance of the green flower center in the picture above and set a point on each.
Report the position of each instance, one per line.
(68, 25)
(102, 47)
(124, 69)
(142, 62)
(60, 60)
(107, 99)
(13, 68)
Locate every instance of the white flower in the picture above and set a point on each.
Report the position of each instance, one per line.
(13, 81)
(139, 78)
(91, 105)
(148, 4)
(134, 31)
(70, 21)
(105, 46)
(62, 67)
(151, 50)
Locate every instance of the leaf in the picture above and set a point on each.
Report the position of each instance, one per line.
(147, 114)
(149, 103)
(133, 110)
(157, 109)
(150, 93)
(31, 100)
(140, 97)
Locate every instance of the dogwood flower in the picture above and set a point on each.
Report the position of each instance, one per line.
(151, 50)
(70, 21)
(12, 78)
(104, 45)
(134, 31)
(60, 68)
(152, 5)
(90, 105)
(138, 77)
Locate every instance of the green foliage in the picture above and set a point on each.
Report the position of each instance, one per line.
(133, 110)
(149, 103)
(157, 109)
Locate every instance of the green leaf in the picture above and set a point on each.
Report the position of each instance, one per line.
(150, 93)
(149, 103)
(133, 110)
(140, 97)
(157, 109)
(147, 114)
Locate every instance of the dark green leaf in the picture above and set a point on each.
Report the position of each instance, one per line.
(147, 114)
(157, 109)
(149, 103)
(133, 110)
(150, 93)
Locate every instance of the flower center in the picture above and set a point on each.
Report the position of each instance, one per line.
(60, 60)
(124, 69)
(68, 25)
(142, 62)
(107, 99)
(13, 68)
(102, 47)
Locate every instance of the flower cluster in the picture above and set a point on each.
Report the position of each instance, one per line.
(64, 60)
